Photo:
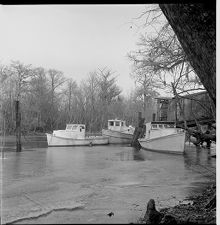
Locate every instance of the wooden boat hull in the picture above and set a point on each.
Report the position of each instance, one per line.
(117, 137)
(54, 141)
(173, 143)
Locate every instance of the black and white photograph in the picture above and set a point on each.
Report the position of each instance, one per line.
(108, 113)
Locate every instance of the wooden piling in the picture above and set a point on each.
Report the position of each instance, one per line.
(138, 132)
(18, 126)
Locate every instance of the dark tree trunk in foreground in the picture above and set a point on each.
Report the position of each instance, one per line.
(195, 27)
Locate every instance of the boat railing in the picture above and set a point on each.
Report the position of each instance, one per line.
(93, 134)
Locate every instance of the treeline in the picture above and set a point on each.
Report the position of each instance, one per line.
(49, 100)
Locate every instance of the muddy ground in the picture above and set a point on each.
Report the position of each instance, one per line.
(201, 209)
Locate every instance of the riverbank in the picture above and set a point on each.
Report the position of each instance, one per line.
(200, 209)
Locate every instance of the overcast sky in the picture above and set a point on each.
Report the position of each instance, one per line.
(75, 39)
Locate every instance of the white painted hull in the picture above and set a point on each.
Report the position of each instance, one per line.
(53, 141)
(173, 143)
(117, 137)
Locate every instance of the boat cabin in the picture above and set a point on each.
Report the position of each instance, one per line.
(116, 124)
(119, 125)
(72, 131)
(74, 127)
(162, 124)
(161, 128)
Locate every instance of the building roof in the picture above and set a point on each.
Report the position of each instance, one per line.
(192, 94)
(116, 120)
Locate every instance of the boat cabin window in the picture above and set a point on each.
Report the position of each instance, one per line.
(160, 126)
(74, 127)
(81, 128)
(117, 123)
(111, 123)
(169, 125)
(122, 124)
(154, 126)
(69, 127)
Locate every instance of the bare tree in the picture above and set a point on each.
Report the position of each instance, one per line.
(22, 75)
(55, 79)
(161, 54)
(70, 93)
(195, 27)
(37, 100)
(91, 96)
(7, 96)
(108, 90)
(146, 89)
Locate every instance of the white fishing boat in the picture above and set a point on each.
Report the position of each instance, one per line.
(74, 135)
(163, 136)
(118, 132)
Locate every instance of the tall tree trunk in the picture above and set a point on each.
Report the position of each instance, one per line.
(195, 27)
(145, 106)
(18, 126)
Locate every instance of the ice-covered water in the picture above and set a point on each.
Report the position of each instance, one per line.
(83, 184)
